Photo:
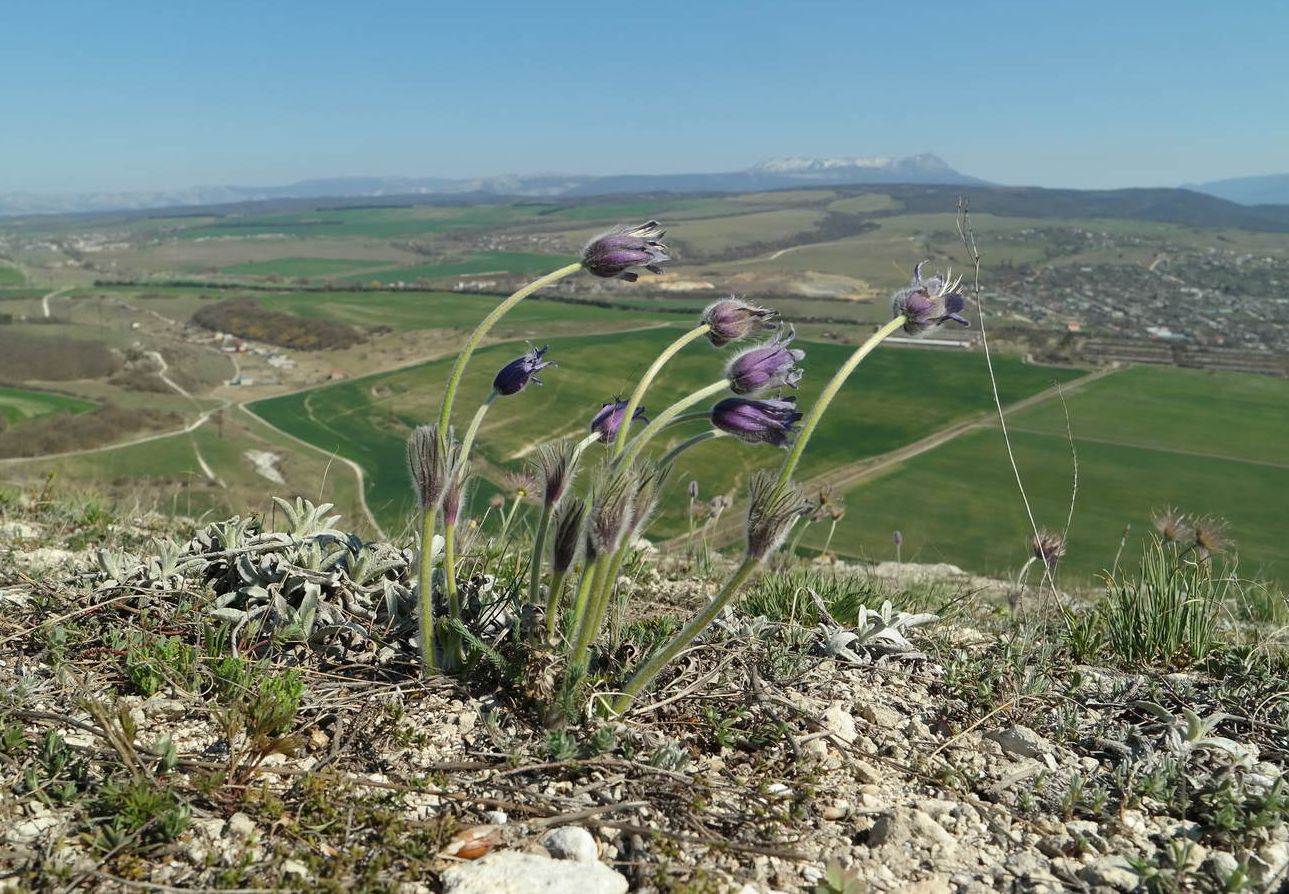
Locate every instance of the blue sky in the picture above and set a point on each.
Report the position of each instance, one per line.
(127, 95)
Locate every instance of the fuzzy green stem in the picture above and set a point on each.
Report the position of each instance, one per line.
(830, 391)
(449, 570)
(670, 456)
(428, 662)
(583, 592)
(585, 618)
(832, 529)
(458, 368)
(539, 548)
(473, 430)
(647, 379)
(660, 659)
(552, 602)
(666, 416)
(601, 593)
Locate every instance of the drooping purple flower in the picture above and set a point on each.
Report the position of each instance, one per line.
(733, 319)
(768, 365)
(693, 490)
(516, 374)
(1048, 547)
(926, 303)
(757, 421)
(609, 420)
(614, 253)
(897, 537)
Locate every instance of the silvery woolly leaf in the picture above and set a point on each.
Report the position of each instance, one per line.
(232, 615)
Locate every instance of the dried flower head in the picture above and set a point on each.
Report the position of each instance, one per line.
(621, 248)
(925, 303)
(1210, 535)
(553, 467)
(515, 375)
(717, 505)
(430, 463)
(772, 509)
(827, 505)
(608, 421)
(568, 531)
(1172, 526)
(733, 319)
(757, 421)
(1048, 547)
(771, 364)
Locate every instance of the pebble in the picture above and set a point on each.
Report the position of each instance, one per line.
(1020, 741)
(839, 722)
(571, 843)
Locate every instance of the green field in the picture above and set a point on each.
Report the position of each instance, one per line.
(19, 404)
(1146, 438)
(302, 267)
(898, 396)
(11, 276)
(478, 262)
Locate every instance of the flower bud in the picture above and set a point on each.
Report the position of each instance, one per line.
(768, 365)
(609, 420)
(772, 509)
(733, 319)
(568, 530)
(615, 252)
(516, 374)
(430, 465)
(757, 421)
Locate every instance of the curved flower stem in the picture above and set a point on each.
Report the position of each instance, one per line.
(830, 391)
(552, 602)
(647, 379)
(458, 368)
(539, 549)
(426, 592)
(666, 416)
(473, 430)
(644, 676)
(688, 417)
(670, 456)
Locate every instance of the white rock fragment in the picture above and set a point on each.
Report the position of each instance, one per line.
(571, 843)
(511, 872)
(1020, 741)
(839, 722)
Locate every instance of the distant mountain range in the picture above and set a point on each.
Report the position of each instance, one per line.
(1268, 189)
(778, 173)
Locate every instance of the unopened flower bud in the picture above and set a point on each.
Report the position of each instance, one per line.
(733, 319)
(614, 253)
(516, 374)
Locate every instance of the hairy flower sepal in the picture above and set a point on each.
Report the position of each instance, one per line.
(614, 253)
(733, 319)
(757, 421)
(929, 302)
(608, 421)
(771, 364)
(515, 375)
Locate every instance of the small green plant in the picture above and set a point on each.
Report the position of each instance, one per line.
(840, 880)
(137, 813)
(153, 663)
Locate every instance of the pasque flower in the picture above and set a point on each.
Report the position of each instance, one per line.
(768, 365)
(926, 303)
(757, 421)
(1048, 547)
(614, 253)
(733, 319)
(516, 374)
(609, 420)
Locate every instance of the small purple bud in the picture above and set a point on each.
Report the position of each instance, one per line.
(733, 319)
(926, 303)
(693, 490)
(621, 248)
(609, 420)
(516, 374)
(768, 365)
(757, 421)
(898, 537)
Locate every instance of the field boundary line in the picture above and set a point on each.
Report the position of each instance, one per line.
(1198, 454)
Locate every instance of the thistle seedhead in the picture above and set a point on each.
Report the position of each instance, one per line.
(757, 421)
(1172, 526)
(772, 509)
(430, 464)
(1210, 535)
(926, 303)
(568, 532)
(553, 468)
(608, 421)
(771, 364)
(733, 319)
(614, 253)
(515, 375)
(1048, 547)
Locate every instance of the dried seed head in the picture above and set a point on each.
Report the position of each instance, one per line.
(827, 506)
(1210, 535)
(772, 510)
(614, 253)
(430, 465)
(554, 467)
(733, 319)
(771, 364)
(1048, 547)
(568, 530)
(519, 485)
(612, 502)
(1172, 526)
(515, 375)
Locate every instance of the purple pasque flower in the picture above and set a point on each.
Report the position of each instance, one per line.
(621, 248)
(516, 374)
(1048, 547)
(733, 319)
(609, 420)
(768, 365)
(757, 421)
(925, 303)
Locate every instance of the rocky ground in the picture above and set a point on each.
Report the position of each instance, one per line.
(797, 748)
